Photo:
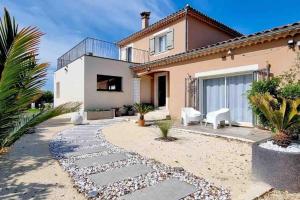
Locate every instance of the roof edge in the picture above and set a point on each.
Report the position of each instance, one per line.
(290, 29)
(178, 15)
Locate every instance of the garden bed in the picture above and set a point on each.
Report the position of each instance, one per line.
(224, 162)
(101, 114)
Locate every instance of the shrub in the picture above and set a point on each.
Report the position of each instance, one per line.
(128, 109)
(291, 91)
(164, 126)
(282, 114)
(270, 86)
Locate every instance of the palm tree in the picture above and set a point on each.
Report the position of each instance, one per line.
(282, 114)
(142, 109)
(8, 30)
(21, 78)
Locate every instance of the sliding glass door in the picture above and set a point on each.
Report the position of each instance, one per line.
(214, 94)
(229, 92)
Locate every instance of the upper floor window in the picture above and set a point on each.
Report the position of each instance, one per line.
(129, 54)
(109, 83)
(162, 42)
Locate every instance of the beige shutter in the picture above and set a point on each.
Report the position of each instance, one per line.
(170, 39)
(151, 46)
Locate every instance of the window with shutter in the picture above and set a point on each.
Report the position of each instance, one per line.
(170, 39)
(151, 46)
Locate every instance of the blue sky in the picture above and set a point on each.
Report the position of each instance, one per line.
(66, 22)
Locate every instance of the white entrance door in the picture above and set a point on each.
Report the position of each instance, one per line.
(229, 92)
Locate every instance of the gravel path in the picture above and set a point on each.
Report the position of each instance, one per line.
(101, 170)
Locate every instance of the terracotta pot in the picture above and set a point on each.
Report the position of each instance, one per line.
(141, 122)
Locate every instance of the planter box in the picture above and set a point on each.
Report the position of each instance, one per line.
(279, 169)
(94, 115)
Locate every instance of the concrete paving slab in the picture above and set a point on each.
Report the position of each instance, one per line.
(100, 160)
(172, 189)
(79, 144)
(114, 175)
(86, 151)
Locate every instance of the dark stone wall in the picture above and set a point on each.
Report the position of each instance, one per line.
(279, 169)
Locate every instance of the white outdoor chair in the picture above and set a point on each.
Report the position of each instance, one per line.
(189, 114)
(216, 117)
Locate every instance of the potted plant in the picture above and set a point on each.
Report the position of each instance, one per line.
(142, 109)
(128, 109)
(277, 160)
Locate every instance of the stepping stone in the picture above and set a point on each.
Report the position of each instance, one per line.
(79, 144)
(119, 174)
(100, 160)
(86, 151)
(79, 137)
(171, 189)
(79, 132)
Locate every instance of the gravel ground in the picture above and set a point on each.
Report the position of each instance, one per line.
(161, 172)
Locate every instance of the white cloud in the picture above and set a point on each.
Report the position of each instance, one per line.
(67, 22)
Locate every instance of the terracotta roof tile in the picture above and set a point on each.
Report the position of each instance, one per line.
(178, 14)
(235, 41)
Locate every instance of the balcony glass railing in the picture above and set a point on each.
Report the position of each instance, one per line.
(100, 48)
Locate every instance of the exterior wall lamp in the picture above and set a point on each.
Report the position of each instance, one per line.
(298, 44)
(291, 43)
(229, 52)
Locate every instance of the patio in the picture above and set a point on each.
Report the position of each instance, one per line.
(245, 134)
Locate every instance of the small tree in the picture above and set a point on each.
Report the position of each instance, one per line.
(281, 113)
(142, 109)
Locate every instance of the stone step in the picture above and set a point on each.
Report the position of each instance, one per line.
(171, 189)
(119, 174)
(86, 151)
(100, 160)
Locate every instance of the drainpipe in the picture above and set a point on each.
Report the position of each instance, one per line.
(268, 68)
(186, 27)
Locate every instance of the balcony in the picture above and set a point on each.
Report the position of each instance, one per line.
(100, 48)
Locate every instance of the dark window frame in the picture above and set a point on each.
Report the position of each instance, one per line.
(107, 77)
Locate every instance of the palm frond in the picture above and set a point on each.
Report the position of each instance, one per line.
(27, 122)
(8, 32)
(21, 79)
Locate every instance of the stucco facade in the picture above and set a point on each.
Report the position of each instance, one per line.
(276, 53)
(78, 82)
(69, 83)
(202, 49)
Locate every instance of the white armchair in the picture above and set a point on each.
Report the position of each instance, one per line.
(189, 114)
(216, 117)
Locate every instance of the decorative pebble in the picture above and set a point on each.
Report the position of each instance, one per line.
(161, 172)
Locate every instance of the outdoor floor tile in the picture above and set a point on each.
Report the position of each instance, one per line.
(172, 189)
(119, 174)
(100, 160)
